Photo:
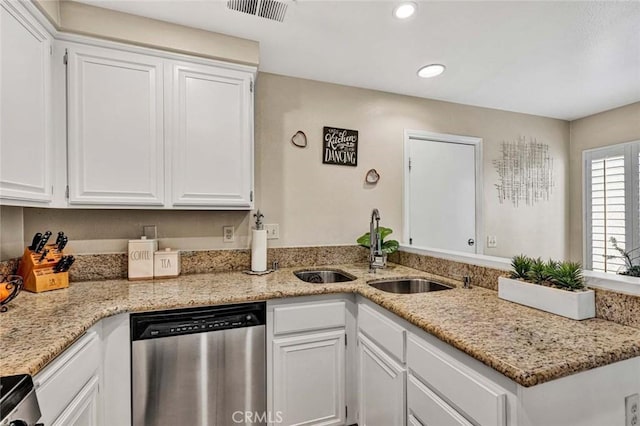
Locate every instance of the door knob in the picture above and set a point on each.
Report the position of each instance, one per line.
(471, 241)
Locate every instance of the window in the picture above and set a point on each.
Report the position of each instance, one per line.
(612, 207)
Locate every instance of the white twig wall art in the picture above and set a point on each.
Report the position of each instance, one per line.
(525, 172)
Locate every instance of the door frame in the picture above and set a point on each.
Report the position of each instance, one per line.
(447, 138)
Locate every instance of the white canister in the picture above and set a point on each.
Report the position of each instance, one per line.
(166, 263)
(141, 258)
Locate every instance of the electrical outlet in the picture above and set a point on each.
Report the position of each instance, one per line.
(492, 241)
(632, 410)
(228, 234)
(273, 231)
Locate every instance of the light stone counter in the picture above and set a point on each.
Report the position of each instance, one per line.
(526, 345)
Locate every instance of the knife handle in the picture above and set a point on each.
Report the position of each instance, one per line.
(62, 244)
(36, 239)
(59, 238)
(44, 255)
(60, 264)
(43, 241)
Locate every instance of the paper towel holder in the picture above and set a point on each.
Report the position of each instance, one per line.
(259, 216)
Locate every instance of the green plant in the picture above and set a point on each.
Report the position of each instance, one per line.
(564, 275)
(521, 265)
(541, 271)
(568, 276)
(388, 246)
(631, 264)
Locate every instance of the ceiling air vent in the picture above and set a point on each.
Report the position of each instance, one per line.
(269, 9)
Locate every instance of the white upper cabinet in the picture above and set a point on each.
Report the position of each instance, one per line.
(210, 135)
(115, 127)
(144, 130)
(25, 108)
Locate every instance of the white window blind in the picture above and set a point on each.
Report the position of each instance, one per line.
(611, 204)
(607, 211)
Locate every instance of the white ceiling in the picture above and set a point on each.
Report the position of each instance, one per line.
(562, 59)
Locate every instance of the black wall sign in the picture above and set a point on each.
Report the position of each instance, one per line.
(340, 146)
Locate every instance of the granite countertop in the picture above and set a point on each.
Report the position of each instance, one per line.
(524, 344)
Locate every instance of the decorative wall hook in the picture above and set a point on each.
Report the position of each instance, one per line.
(372, 177)
(299, 139)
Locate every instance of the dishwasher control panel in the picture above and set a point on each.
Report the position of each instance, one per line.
(176, 323)
(200, 325)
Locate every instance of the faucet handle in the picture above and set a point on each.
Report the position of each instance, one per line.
(466, 281)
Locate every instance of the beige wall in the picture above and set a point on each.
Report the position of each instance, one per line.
(107, 231)
(79, 18)
(322, 204)
(50, 9)
(606, 128)
(11, 232)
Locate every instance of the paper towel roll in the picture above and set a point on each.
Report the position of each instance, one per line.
(258, 250)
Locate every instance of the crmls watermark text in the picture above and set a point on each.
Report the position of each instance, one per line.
(253, 417)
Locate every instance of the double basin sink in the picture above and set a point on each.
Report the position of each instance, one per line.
(393, 285)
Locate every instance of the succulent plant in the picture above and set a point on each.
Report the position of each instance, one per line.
(541, 271)
(521, 265)
(564, 275)
(568, 275)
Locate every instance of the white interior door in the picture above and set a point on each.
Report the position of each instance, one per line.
(442, 195)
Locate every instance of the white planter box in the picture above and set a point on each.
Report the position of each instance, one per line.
(576, 305)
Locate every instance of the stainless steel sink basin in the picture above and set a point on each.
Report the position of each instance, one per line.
(324, 276)
(408, 285)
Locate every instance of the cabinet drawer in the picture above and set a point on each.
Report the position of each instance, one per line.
(308, 317)
(426, 408)
(382, 330)
(59, 383)
(482, 401)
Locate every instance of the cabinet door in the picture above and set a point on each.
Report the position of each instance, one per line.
(83, 410)
(211, 136)
(381, 387)
(116, 136)
(309, 379)
(424, 407)
(25, 107)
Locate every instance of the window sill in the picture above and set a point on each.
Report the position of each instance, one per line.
(613, 282)
(598, 280)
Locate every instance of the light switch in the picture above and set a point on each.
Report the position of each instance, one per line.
(273, 231)
(492, 241)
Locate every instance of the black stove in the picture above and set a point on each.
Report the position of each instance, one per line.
(18, 401)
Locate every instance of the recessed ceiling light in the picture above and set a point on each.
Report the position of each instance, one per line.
(432, 70)
(405, 10)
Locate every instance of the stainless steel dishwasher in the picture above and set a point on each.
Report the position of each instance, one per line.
(199, 367)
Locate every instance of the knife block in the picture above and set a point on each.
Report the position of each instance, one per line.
(38, 275)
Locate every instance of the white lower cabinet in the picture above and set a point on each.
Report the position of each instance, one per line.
(83, 409)
(309, 378)
(381, 386)
(64, 388)
(88, 384)
(424, 407)
(307, 361)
